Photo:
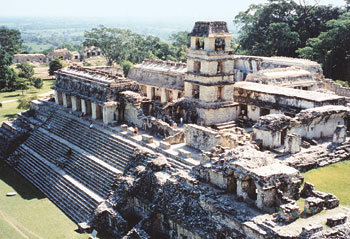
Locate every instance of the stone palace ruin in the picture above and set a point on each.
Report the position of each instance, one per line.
(209, 149)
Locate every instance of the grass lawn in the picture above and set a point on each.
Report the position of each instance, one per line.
(8, 110)
(14, 95)
(333, 179)
(30, 214)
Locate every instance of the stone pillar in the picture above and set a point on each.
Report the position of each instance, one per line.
(83, 106)
(56, 97)
(209, 43)
(64, 97)
(175, 94)
(163, 98)
(339, 135)
(188, 89)
(93, 110)
(108, 113)
(239, 187)
(228, 44)
(292, 143)
(74, 103)
(149, 92)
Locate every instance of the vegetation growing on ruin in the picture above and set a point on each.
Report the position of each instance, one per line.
(118, 45)
(333, 179)
(288, 28)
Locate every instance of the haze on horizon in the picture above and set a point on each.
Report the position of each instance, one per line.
(134, 9)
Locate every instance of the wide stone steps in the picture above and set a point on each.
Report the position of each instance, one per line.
(104, 146)
(93, 175)
(73, 200)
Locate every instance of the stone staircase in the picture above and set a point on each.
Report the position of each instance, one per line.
(92, 159)
(73, 164)
(225, 126)
(70, 196)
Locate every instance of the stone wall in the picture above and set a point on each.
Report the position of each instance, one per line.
(39, 58)
(169, 75)
(245, 65)
(322, 122)
(205, 139)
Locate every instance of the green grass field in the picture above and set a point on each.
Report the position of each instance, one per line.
(9, 110)
(14, 95)
(30, 214)
(333, 179)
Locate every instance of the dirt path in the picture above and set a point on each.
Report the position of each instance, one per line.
(8, 220)
(45, 94)
(13, 225)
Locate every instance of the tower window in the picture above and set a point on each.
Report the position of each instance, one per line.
(197, 67)
(220, 91)
(219, 44)
(220, 68)
(195, 91)
(199, 44)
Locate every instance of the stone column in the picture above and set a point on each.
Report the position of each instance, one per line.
(188, 89)
(56, 98)
(163, 98)
(292, 143)
(149, 92)
(209, 43)
(64, 97)
(175, 94)
(83, 106)
(93, 110)
(74, 103)
(108, 113)
(239, 187)
(339, 135)
(228, 44)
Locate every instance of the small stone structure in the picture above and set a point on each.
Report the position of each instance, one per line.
(32, 58)
(161, 80)
(185, 161)
(276, 130)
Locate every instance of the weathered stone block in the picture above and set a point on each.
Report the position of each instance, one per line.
(310, 229)
(185, 153)
(336, 220)
(147, 138)
(164, 145)
(313, 205)
(124, 127)
(289, 212)
(307, 190)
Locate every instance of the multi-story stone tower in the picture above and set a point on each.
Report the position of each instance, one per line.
(210, 75)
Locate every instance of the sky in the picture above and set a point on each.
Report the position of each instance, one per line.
(144, 9)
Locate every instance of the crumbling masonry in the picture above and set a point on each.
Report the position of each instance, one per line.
(208, 149)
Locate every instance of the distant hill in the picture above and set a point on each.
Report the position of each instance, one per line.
(42, 33)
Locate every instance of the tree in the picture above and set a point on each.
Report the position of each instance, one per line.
(280, 27)
(332, 49)
(55, 65)
(119, 45)
(127, 65)
(115, 44)
(180, 39)
(10, 43)
(25, 70)
(37, 82)
(24, 102)
(22, 84)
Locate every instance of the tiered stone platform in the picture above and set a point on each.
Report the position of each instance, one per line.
(73, 164)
